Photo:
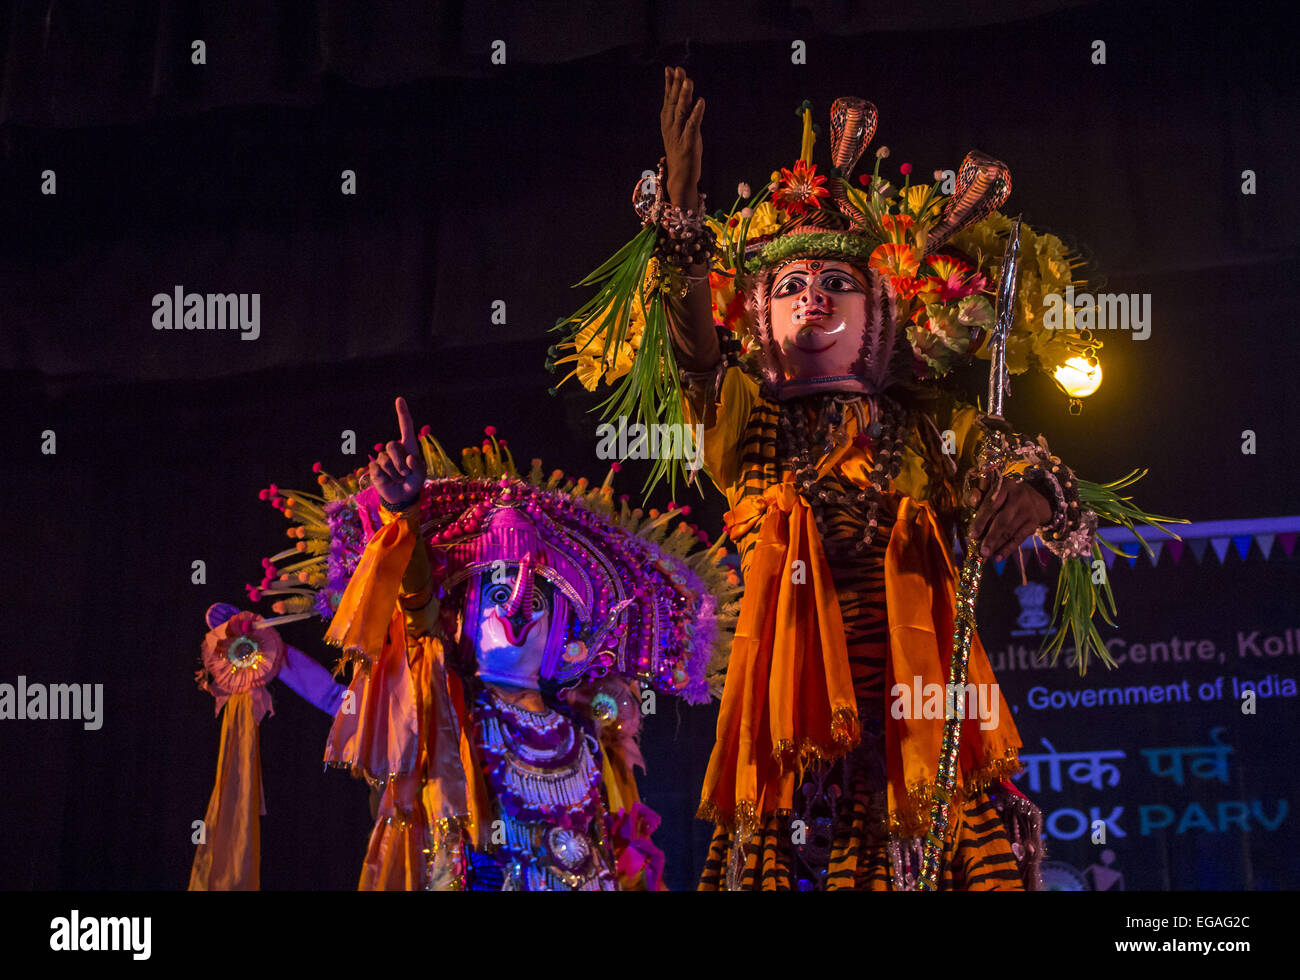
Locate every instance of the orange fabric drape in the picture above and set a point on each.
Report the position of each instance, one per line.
(920, 584)
(788, 696)
(788, 679)
(361, 624)
(409, 724)
(230, 857)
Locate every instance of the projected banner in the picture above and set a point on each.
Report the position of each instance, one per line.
(1178, 769)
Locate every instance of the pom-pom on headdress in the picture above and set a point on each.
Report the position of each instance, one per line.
(638, 594)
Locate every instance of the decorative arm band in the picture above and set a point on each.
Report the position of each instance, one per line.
(1071, 530)
(703, 387)
(683, 238)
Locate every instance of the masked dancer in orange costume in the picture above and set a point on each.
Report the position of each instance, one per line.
(811, 336)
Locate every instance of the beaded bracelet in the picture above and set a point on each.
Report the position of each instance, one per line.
(1071, 530)
(683, 239)
(396, 510)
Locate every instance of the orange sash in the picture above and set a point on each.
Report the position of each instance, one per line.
(229, 859)
(409, 724)
(920, 583)
(789, 697)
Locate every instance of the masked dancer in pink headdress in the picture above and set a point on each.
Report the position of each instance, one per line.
(505, 635)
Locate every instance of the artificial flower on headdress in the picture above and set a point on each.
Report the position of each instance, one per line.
(899, 263)
(939, 248)
(591, 362)
(941, 333)
(949, 279)
(1047, 268)
(765, 220)
(801, 188)
(921, 204)
(669, 632)
(900, 228)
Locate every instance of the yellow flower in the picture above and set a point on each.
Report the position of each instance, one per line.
(588, 372)
(1051, 349)
(985, 240)
(619, 362)
(586, 368)
(1053, 260)
(915, 197)
(765, 220)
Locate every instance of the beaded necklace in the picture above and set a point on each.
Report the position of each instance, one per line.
(545, 777)
(803, 441)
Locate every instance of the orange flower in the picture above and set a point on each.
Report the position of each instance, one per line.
(946, 266)
(894, 259)
(897, 226)
(907, 287)
(800, 189)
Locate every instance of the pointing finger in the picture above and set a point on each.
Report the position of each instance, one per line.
(404, 423)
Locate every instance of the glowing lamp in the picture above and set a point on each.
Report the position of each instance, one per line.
(1078, 378)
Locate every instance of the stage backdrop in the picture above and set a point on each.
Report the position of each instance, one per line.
(480, 182)
(1176, 770)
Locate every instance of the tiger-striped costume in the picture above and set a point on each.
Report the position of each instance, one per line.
(837, 837)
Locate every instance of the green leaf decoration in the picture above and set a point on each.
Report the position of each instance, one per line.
(1078, 597)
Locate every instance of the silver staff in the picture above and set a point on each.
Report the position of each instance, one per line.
(993, 451)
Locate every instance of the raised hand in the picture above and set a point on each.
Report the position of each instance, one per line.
(398, 471)
(679, 123)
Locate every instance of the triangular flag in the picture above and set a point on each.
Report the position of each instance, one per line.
(1265, 542)
(1109, 555)
(1288, 542)
(999, 565)
(1242, 543)
(1198, 546)
(1176, 549)
(1221, 547)
(1132, 551)
(1156, 548)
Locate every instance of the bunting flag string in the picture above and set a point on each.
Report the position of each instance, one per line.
(1222, 539)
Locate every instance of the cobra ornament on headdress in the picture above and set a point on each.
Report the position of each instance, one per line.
(853, 123)
(640, 595)
(929, 253)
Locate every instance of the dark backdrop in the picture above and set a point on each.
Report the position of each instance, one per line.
(481, 182)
